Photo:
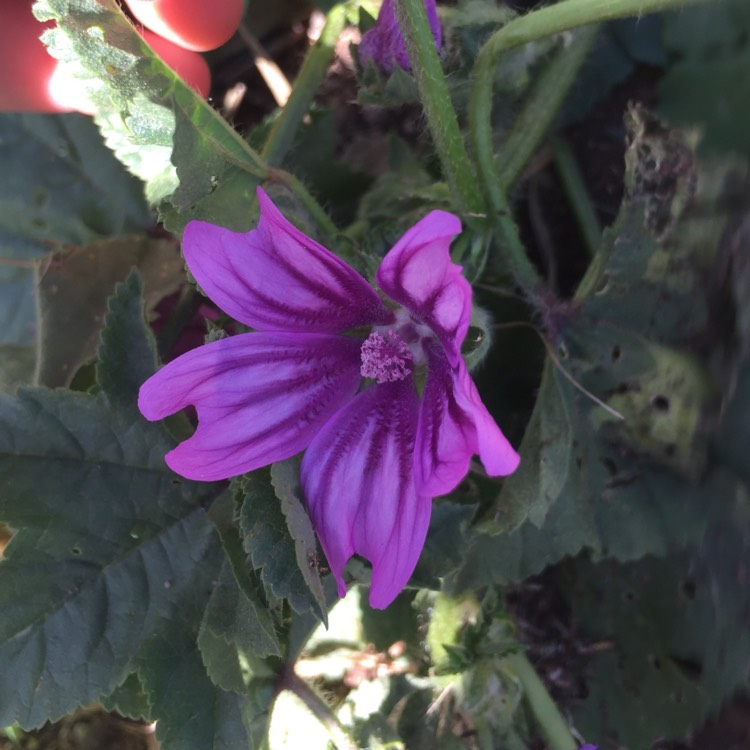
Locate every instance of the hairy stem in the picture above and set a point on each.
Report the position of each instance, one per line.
(554, 727)
(311, 74)
(541, 107)
(326, 227)
(578, 195)
(553, 19)
(438, 108)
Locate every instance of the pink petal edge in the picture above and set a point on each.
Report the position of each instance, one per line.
(419, 274)
(277, 278)
(358, 484)
(260, 397)
(453, 426)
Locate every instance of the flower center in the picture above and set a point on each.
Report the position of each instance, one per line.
(386, 358)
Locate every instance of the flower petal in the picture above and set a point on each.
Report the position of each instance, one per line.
(358, 483)
(384, 43)
(419, 274)
(454, 425)
(261, 397)
(277, 278)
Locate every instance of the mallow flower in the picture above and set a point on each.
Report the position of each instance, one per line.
(373, 389)
(384, 43)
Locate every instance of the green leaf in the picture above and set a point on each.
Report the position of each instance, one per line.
(679, 647)
(111, 548)
(235, 632)
(733, 436)
(128, 699)
(109, 545)
(611, 502)
(193, 713)
(127, 355)
(589, 479)
(545, 448)
(707, 82)
(279, 538)
(73, 293)
(61, 185)
(621, 46)
(193, 163)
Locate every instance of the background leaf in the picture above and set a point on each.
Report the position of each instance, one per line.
(710, 47)
(127, 352)
(61, 185)
(73, 291)
(678, 645)
(643, 484)
(110, 579)
(110, 547)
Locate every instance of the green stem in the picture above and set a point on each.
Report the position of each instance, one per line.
(549, 20)
(541, 106)
(438, 108)
(578, 195)
(326, 227)
(554, 727)
(311, 74)
(318, 707)
(538, 24)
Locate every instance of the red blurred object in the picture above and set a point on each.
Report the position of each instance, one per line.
(193, 24)
(25, 66)
(31, 80)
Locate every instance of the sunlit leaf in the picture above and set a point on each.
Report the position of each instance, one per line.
(193, 163)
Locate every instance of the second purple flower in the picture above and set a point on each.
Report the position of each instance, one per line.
(384, 43)
(374, 391)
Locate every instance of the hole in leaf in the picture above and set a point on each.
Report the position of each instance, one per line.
(691, 668)
(616, 354)
(76, 550)
(688, 589)
(660, 403)
(610, 466)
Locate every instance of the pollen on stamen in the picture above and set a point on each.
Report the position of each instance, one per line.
(386, 359)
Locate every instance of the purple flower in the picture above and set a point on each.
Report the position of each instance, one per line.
(384, 42)
(387, 412)
(588, 747)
